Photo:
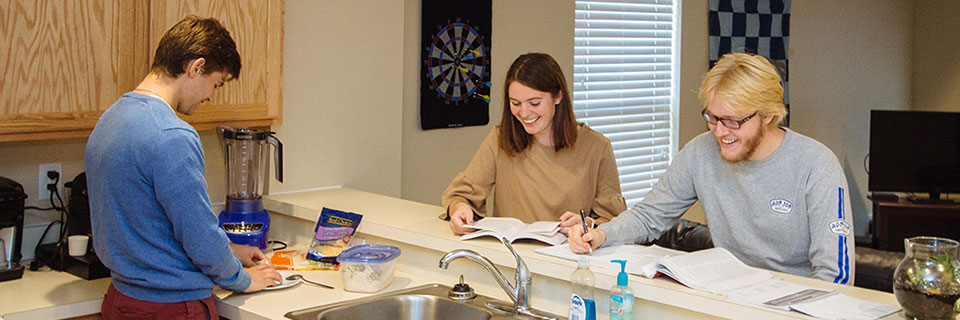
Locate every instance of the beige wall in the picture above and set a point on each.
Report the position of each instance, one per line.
(342, 94)
(846, 58)
(431, 158)
(936, 62)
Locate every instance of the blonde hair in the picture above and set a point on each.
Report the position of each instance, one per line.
(746, 83)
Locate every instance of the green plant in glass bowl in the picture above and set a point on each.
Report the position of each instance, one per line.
(927, 280)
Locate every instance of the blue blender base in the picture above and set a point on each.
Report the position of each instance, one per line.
(247, 228)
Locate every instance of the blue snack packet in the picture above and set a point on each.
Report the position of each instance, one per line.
(334, 230)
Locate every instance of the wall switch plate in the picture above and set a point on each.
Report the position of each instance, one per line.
(42, 180)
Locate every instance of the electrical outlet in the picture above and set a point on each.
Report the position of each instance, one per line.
(43, 180)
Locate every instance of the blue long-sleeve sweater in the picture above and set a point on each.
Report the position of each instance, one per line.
(150, 214)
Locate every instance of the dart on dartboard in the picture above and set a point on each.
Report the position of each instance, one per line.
(485, 98)
(471, 55)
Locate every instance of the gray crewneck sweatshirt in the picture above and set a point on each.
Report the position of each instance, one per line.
(788, 212)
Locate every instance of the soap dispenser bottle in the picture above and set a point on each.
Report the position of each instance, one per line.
(621, 296)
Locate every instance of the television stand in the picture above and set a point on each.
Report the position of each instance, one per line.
(933, 201)
(894, 221)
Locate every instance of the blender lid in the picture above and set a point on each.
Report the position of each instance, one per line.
(246, 134)
(11, 190)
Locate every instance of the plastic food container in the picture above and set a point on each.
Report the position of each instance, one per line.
(368, 267)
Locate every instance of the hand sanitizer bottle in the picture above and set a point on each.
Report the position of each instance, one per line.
(621, 296)
(582, 305)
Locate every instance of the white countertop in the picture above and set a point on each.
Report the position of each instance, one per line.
(50, 295)
(415, 227)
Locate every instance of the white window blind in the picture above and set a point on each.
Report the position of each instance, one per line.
(625, 80)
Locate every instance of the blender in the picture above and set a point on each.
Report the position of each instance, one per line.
(246, 158)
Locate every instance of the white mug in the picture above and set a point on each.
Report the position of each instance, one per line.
(77, 244)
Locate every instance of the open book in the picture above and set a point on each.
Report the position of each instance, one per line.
(641, 260)
(513, 229)
(714, 270)
(717, 271)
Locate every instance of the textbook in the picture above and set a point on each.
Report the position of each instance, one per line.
(717, 271)
(641, 260)
(513, 229)
(714, 270)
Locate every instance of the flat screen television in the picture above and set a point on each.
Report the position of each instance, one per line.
(914, 152)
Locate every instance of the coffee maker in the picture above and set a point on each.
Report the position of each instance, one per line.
(11, 228)
(246, 161)
(77, 222)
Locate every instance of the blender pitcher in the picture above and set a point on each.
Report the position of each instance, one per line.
(246, 161)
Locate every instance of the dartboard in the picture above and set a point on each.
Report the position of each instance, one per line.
(457, 63)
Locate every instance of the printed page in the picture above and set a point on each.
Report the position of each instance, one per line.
(778, 294)
(543, 227)
(840, 306)
(641, 260)
(714, 270)
(553, 240)
(482, 233)
(504, 225)
(495, 226)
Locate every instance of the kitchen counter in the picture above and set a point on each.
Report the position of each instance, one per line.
(423, 238)
(50, 295)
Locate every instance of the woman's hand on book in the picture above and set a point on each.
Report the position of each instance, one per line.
(461, 216)
(570, 219)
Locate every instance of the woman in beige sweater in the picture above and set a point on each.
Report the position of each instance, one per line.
(541, 160)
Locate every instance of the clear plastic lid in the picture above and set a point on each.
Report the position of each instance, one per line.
(369, 254)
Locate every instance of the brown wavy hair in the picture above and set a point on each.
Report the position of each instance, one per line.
(541, 72)
(194, 38)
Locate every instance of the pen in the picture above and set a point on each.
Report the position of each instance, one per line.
(585, 229)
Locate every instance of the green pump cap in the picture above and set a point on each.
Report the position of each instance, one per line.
(622, 276)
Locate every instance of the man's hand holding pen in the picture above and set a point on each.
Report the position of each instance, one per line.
(580, 234)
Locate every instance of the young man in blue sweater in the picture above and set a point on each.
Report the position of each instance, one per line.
(152, 222)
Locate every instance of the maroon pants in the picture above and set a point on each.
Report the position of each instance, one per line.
(116, 305)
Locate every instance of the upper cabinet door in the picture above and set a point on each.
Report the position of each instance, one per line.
(255, 98)
(63, 62)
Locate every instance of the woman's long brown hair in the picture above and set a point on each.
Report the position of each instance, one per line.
(541, 72)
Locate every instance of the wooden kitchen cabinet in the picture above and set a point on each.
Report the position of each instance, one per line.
(254, 99)
(65, 62)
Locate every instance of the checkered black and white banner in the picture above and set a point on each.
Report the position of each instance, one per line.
(760, 27)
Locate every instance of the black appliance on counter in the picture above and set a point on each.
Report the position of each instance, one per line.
(56, 255)
(11, 219)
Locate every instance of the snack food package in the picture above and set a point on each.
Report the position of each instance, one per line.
(334, 230)
(293, 260)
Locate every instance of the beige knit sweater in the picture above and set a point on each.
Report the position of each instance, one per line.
(540, 184)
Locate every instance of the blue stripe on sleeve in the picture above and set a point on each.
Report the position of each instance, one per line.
(843, 262)
(840, 205)
(840, 266)
(846, 261)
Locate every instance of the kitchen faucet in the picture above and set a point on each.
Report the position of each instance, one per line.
(520, 294)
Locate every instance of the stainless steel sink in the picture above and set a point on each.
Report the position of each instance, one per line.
(429, 302)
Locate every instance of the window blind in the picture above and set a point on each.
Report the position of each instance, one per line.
(625, 81)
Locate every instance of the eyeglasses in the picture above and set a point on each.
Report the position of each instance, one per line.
(729, 123)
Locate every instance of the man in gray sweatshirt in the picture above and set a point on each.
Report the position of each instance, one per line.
(774, 198)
